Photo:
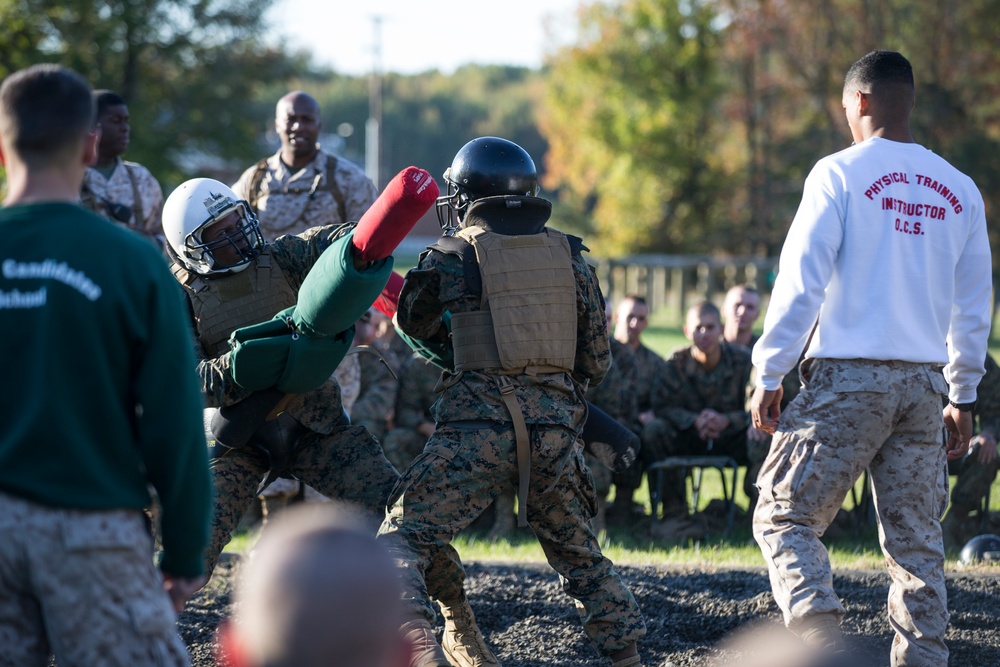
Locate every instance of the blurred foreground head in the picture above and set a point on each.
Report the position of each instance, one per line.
(771, 645)
(318, 591)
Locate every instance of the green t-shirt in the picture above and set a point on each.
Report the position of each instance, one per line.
(98, 396)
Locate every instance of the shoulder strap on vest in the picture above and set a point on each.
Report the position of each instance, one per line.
(253, 188)
(334, 189)
(576, 245)
(459, 247)
(140, 219)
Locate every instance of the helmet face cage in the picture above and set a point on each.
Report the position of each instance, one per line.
(450, 207)
(246, 241)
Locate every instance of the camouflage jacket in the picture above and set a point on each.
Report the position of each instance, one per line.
(126, 180)
(319, 410)
(438, 284)
(685, 388)
(649, 367)
(288, 202)
(616, 395)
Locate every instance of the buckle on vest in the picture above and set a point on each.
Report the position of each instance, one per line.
(504, 385)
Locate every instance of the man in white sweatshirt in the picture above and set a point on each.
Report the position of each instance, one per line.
(887, 266)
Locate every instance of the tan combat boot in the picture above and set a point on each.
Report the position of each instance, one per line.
(627, 657)
(425, 651)
(824, 635)
(462, 642)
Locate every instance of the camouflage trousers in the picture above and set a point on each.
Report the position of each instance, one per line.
(348, 466)
(81, 584)
(461, 471)
(852, 415)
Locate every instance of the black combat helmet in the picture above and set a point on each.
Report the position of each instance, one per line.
(981, 548)
(485, 167)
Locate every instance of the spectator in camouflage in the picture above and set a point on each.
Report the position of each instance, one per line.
(414, 422)
(701, 395)
(616, 395)
(631, 319)
(124, 192)
(301, 186)
(376, 400)
(976, 470)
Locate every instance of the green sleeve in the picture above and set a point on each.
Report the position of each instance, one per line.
(170, 429)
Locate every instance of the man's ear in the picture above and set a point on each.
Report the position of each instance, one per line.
(3, 158)
(864, 103)
(91, 146)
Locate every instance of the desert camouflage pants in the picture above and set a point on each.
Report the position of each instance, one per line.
(852, 415)
(461, 472)
(81, 584)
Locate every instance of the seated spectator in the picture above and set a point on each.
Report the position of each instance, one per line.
(374, 406)
(318, 592)
(700, 397)
(413, 420)
(740, 311)
(615, 395)
(977, 469)
(631, 319)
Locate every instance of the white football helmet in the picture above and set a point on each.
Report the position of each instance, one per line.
(194, 207)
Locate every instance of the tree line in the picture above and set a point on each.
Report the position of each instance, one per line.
(676, 126)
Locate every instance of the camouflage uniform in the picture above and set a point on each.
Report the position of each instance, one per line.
(471, 457)
(373, 408)
(757, 449)
(649, 366)
(339, 460)
(414, 399)
(126, 180)
(291, 201)
(685, 388)
(852, 414)
(974, 478)
(139, 631)
(615, 395)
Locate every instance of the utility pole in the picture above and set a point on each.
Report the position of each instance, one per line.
(373, 126)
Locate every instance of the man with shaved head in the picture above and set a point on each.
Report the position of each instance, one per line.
(301, 186)
(319, 591)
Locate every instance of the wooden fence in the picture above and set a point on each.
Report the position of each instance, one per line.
(675, 281)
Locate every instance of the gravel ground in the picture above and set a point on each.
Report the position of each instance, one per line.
(530, 622)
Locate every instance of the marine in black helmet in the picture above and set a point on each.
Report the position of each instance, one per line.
(529, 334)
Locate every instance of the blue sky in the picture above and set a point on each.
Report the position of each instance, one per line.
(418, 36)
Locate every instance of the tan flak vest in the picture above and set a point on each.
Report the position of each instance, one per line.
(528, 319)
(226, 303)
